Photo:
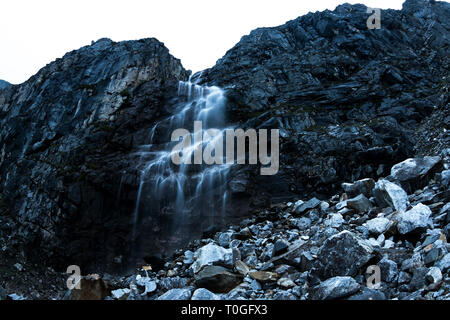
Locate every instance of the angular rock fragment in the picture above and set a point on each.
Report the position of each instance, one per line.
(335, 288)
(342, 254)
(388, 194)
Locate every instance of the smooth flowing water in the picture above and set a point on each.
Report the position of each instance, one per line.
(175, 201)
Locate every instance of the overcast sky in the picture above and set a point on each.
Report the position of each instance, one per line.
(34, 33)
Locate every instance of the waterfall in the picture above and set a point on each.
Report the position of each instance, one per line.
(174, 201)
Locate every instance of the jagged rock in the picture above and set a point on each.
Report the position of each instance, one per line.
(4, 84)
(280, 247)
(177, 294)
(445, 178)
(378, 225)
(363, 186)
(166, 284)
(403, 278)
(204, 294)
(212, 254)
(224, 239)
(302, 223)
(308, 205)
(418, 280)
(415, 220)
(444, 263)
(435, 253)
(121, 294)
(342, 254)
(359, 203)
(148, 284)
(217, 279)
(335, 220)
(389, 194)
(335, 288)
(286, 283)
(433, 277)
(412, 263)
(389, 270)
(414, 173)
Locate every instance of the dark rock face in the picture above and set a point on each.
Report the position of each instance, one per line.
(346, 99)
(4, 84)
(67, 171)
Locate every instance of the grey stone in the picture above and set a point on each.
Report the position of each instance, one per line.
(415, 220)
(335, 220)
(342, 254)
(378, 225)
(217, 279)
(359, 203)
(280, 247)
(433, 277)
(303, 223)
(415, 173)
(444, 263)
(120, 294)
(310, 204)
(204, 294)
(403, 278)
(389, 270)
(389, 194)
(212, 254)
(364, 186)
(177, 294)
(335, 288)
(147, 283)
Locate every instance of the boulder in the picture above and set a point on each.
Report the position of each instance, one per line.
(364, 186)
(217, 279)
(415, 220)
(335, 288)
(280, 247)
(377, 226)
(359, 203)
(177, 294)
(415, 173)
(204, 294)
(388, 194)
(389, 270)
(212, 254)
(342, 254)
(121, 294)
(304, 206)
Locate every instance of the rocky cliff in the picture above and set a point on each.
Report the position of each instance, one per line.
(349, 102)
(4, 84)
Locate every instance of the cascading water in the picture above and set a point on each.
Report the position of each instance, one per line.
(176, 201)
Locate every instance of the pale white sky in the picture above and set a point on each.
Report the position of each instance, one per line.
(34, 33)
